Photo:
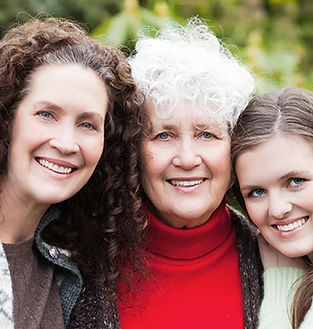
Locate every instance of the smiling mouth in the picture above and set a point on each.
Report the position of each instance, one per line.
(54, 167)
(293, 225)
(186, 183)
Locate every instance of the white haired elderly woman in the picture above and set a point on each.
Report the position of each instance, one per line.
(204, 259)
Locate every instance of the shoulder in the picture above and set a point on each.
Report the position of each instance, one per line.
(246, 232)
(242, 225)
(250, 267)
(247, 244)
(55, 255)
(94, 310)
(67, 275)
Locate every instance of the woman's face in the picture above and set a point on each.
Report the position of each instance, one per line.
(276, 182)
(185, 165)
(57, 134)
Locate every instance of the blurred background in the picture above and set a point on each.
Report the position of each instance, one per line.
(273, 37)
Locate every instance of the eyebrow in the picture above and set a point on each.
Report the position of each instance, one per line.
(170, 126)
(249, 187)
(97, 116)
(46, 103)
(295, 174)
(165, 126)
(85, 114)
(284, 177)
(203, 126)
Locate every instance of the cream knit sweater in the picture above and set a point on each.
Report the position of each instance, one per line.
(280, 284)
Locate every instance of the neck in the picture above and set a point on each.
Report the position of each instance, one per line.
(192, 243)
(18, 218)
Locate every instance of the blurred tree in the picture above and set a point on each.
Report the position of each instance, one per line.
(122, 28)
(90, 12)
(273, 37)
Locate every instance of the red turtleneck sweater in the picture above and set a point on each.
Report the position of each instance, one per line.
(195, 281)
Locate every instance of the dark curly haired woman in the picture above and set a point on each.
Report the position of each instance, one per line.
(69, 135)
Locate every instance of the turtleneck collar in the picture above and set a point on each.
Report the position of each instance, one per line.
(191, 243)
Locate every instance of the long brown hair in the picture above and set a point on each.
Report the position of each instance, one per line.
(101, 224)
(290, 112)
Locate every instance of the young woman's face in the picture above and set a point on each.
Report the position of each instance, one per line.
(57, 134)
(276, 182)
(185, 165)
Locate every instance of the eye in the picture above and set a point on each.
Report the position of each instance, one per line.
(256, 193)
(163, 136)
(45, 114)
(296, 181)
(206, 135)
(88, 126)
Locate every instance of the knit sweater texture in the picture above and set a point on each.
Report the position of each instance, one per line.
(91, 312)
(66, 274)
(36, 299)
(280, 284)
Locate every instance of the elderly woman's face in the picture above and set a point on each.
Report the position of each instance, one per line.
(185, 165)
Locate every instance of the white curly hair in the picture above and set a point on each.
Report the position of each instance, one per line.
(190, 63)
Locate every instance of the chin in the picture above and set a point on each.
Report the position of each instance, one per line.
(293, 253)
(54, 198)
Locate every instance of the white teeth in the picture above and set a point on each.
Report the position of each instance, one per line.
(186, 183)
(54, 167)
(291, 226)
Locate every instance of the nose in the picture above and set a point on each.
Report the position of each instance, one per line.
(64, 141)
(279, 206)
(186, 155)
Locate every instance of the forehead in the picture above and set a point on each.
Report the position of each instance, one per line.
(184, 114)
(62, 73)
(69, 82)
(275, 157)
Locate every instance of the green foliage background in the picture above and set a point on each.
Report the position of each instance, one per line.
(273, 37)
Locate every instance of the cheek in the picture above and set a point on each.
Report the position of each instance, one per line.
(149, 160)
(24, 133)
(154, 167)
(222, 165)
(304, 199)
(256, 213)
(147, 173)
(24, 144)
(144, 168)
(152, 171)
(93, 151)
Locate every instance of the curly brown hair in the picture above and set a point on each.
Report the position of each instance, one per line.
(101, 225)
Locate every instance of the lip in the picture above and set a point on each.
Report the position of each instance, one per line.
(189, 178)
(58, 162)
(291, 231)
(66, 168)
(178, 183)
